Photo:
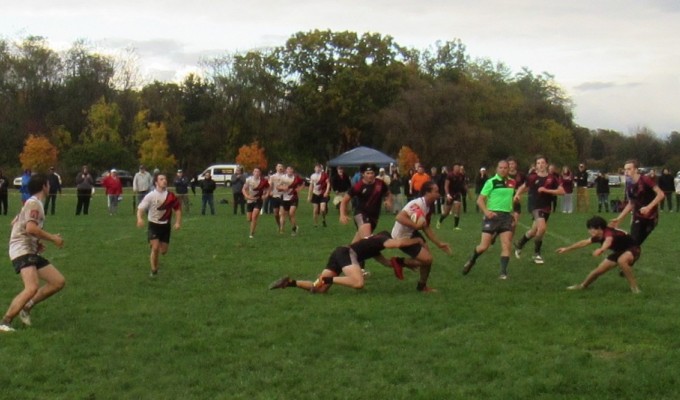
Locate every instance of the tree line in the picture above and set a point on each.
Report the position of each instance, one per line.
(319, 94)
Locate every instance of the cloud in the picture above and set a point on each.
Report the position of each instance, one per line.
(589, 86)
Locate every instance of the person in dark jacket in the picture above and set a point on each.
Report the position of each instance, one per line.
(84, 185)
(182, 189)
(55, 187)
(667, 186)
(208, 187)
(602, 190)
(238, 179)
(4, 184)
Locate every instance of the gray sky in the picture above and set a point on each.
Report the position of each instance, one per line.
(617, 59)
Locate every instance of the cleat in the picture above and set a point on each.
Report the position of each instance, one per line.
(575, 287)
(518, 251)
(324, 223)
(251, 236)
(468, 266)
(439, 224)
(295, 230)
(153, 274)
(427, 289)
(503, 277)
(365, 273)
(280, 284)
(318, 286)
(636, 290)
(6, 328)
(398, 268)
(25, 317)
(457, 228)
(537, 259)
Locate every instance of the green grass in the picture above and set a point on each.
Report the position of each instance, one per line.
(207, 327)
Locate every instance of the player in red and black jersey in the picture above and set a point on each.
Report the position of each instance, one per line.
(347, 260)
(455, 189)
(519, 178)
(644, 197)
(370, 193)
(624, 252)
(543, 185)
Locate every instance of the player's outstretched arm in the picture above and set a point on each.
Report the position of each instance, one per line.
(577, 245)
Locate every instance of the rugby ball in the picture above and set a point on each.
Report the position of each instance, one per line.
(417, 216)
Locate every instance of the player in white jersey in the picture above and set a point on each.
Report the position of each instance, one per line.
(255, 191)
(276, 196)
(405, 227)
(159, 203)
(25, 247)
(289, 185)
(319, 188)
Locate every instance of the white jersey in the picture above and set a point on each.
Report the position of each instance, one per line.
(20, 241)
(274, 182)
(255, 188)
(159, 205)
(400, 231)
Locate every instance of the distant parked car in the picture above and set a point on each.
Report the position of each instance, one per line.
(17, 182)
(124, 176)
(615, 180)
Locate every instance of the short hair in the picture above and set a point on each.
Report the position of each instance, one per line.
(633, 161)
(155, 177)
(596, 222)
(368, 167)
(427, 187)
(539, 156)
(36, 183)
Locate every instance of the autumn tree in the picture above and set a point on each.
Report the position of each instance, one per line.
(103, 122)
(406, 159)
(39, 154)
(154, 150)
(251, 156)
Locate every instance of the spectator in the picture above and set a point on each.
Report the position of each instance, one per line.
(667, 186)
(182, 190)
(238, 179)
(568, 185)
(4, 184)
(480, 180)
(582, 200)
(602, 190)
(25, 178)
(208, 187)
(55, 187)
(142, 183)
(114, 191)
(395, 189)
(677, 192)
(84, 186)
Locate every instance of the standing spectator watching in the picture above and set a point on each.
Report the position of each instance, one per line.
(384, 176)
(582, 200)
(434, 176)
(238, 179)
(84, 186)
(55, 187)
(182, 190)
(568, 185)
(406, 182)
(395, 190)
(667, 186)
(25, 178)
(602, 190)
(441, 183)
(114, 189)
(677, 193)
(4, 184)
(418, 179)
(340, 184)
(142, 183)
(480, 180)
(208, 187)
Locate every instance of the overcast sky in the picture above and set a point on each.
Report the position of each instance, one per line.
(619, 60)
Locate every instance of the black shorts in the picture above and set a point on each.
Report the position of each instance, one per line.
(414, 249)
(287, 204)
(502, 222)
(318, 199)
(636, 250)
(455, 198)
(360, 219)
(340, 258)
(275, 202)
(160, 232)
(538, 213)
(257, 204)
(29, 260)
(640, 228)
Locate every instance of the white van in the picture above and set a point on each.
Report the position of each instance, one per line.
(221, 173)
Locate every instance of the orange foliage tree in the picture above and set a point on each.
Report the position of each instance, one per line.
(251, 156)
(406, 159)
(39, 154)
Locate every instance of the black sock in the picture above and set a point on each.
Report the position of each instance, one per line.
(537, 246)
(504, 265)
(475, 255)
(523, 241)
(328, 280)
(456, 221)
(292, 283)
(442, 218)
(421, 286)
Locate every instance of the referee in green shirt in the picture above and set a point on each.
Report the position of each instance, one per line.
(495, 201)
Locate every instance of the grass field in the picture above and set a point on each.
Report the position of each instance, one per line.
(208, 328)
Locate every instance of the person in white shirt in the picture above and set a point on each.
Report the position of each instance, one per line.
(142, 183)
(319, 188)
(159, 204)
(255, 191)
(25, 247)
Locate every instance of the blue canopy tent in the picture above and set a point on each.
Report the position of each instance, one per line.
(360, 155)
